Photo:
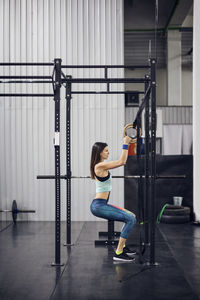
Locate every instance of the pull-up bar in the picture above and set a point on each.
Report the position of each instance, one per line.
(25, 77)
(106, 80)
(26, 95)
(26, 81)
(25, 64)
(106, 92)
(75, 66)
(105, 67)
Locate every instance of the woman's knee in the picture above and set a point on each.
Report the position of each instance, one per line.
(129, 224)
(132, 220)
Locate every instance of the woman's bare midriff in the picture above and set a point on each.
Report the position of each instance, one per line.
(102, 195)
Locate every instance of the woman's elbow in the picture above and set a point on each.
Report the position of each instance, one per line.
(122, 162)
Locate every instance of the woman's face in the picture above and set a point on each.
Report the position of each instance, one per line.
(105, 153)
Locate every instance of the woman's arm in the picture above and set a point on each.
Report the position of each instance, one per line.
(116, 163)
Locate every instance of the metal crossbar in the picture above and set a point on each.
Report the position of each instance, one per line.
(105, 66)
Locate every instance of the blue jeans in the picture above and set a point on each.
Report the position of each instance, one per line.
(100, 208)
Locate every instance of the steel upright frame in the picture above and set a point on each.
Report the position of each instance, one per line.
(150, 87)
(146, 188)
(58, 79)
(57, 70)
(153, 161)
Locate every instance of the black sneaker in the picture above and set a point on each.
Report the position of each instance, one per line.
(129, 251)
(123, 257)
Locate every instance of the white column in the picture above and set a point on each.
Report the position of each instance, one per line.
(174, 67)
(196, 109)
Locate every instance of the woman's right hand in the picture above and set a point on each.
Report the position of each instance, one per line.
(127, 139)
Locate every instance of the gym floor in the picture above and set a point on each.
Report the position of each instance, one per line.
(89, 273)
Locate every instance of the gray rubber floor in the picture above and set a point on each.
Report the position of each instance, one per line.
(27, 251)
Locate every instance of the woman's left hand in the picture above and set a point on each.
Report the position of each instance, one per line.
(127, 139)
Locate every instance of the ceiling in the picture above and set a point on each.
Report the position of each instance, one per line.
(141, 40)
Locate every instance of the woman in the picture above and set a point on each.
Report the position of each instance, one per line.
(99, 170)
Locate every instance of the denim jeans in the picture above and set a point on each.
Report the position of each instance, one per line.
(100, 208)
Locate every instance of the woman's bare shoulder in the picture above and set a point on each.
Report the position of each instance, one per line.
(109, 165)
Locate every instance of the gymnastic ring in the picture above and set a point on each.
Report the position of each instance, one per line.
(133, 139)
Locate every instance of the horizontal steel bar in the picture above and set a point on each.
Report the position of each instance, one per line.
(170, 176)
(104, 92)
(106, 80)
(126, 177)
(181, 29)
(25, 211)
(105, 66)
(25, 64)
(26, 81)
(26, 95)
(25, 77)
(18, 211)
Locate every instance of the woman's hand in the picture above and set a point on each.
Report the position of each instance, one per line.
(127, 139)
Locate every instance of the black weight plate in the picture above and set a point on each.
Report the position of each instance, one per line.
(175, 219)
(169, 206)
(177, 212)
(14, 211)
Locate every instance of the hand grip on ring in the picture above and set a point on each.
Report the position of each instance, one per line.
(133, 139)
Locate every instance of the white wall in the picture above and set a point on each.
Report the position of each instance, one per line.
(187, 93)
(196, 110)
(174, 67)
(80, 32)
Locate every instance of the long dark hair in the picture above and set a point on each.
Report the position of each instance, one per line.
(95, 156)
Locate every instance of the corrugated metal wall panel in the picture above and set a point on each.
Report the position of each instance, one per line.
(177, 115)
(80, 32)
(187, 40)
(170, 114)
(137, 48)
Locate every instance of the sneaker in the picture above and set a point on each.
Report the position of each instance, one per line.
(129, 251)
(123, 257)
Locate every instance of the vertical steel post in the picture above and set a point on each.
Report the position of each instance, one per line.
(146, 210)
(111, 230)
(57, 68)
(153, 160)
(140, 196)
(106, 77)
(68, 158)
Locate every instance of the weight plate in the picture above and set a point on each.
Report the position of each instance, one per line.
(177, 212)
(169, 206)
(175, 219)
(14, 211)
